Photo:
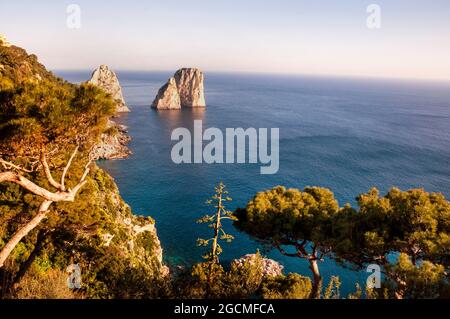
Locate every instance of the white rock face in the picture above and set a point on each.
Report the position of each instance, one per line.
(112, 145)
(184, 89)
(190, 87)
(270, 266)
(107, 80)
(168, 97)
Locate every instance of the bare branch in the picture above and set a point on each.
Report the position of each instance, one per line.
(285, 253)
(22, 232)
(66, 169)
(16, 178)
(86, 170)
(231, 218)
(49, 197)
(9, 165)
(47, 172)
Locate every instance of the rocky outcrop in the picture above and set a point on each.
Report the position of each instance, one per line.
(108, 81)
(168, 97)
(129, 230)
(190, 87)
(4, 42)
(184, 89)
(17, 65)
(270, 266)
(113, 143)
(119, 253)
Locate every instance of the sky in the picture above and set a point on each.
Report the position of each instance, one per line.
(321, 37)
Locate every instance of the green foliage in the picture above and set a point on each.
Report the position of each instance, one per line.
(114, 275)
(332, 290)
(414, 223)
(51, 114)
(242, 281)
(420, 224)
(41, 112)
(292, 286)
(302, 221)
(285, 216)
(358, 294)
(426, 281)
(207, 280)
(18, 66)
(51, 284)
(38, 109)
(73, 234)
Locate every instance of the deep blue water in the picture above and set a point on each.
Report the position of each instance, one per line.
(345, 134)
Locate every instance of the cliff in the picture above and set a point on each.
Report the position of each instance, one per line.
(168, 97)
(119, 253)
(184, 89)
(113, 143)
(17, 65)
(190, 87)
(108, 81)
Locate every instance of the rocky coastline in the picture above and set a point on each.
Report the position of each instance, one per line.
(113, 143)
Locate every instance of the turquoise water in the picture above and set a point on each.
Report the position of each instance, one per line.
(344, 134)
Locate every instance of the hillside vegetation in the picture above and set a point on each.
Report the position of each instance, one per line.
(46, 121)
(65, 232)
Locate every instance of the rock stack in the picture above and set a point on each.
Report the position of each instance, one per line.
(168, 97)
(107, 80)
(184, 89)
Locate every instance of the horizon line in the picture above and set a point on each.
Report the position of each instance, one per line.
(287, 74)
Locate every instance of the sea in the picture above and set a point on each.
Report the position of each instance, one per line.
(345, 134)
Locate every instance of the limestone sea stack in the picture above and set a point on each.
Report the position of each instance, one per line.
(190, 87)
(108, 81)
(168, 97)
(184, 89)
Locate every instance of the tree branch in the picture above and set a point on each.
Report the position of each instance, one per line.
(285, 253)
(11, 244)
(69, 163)
(48, 196)
(16, 178)
(47, 172)
(9, 165)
